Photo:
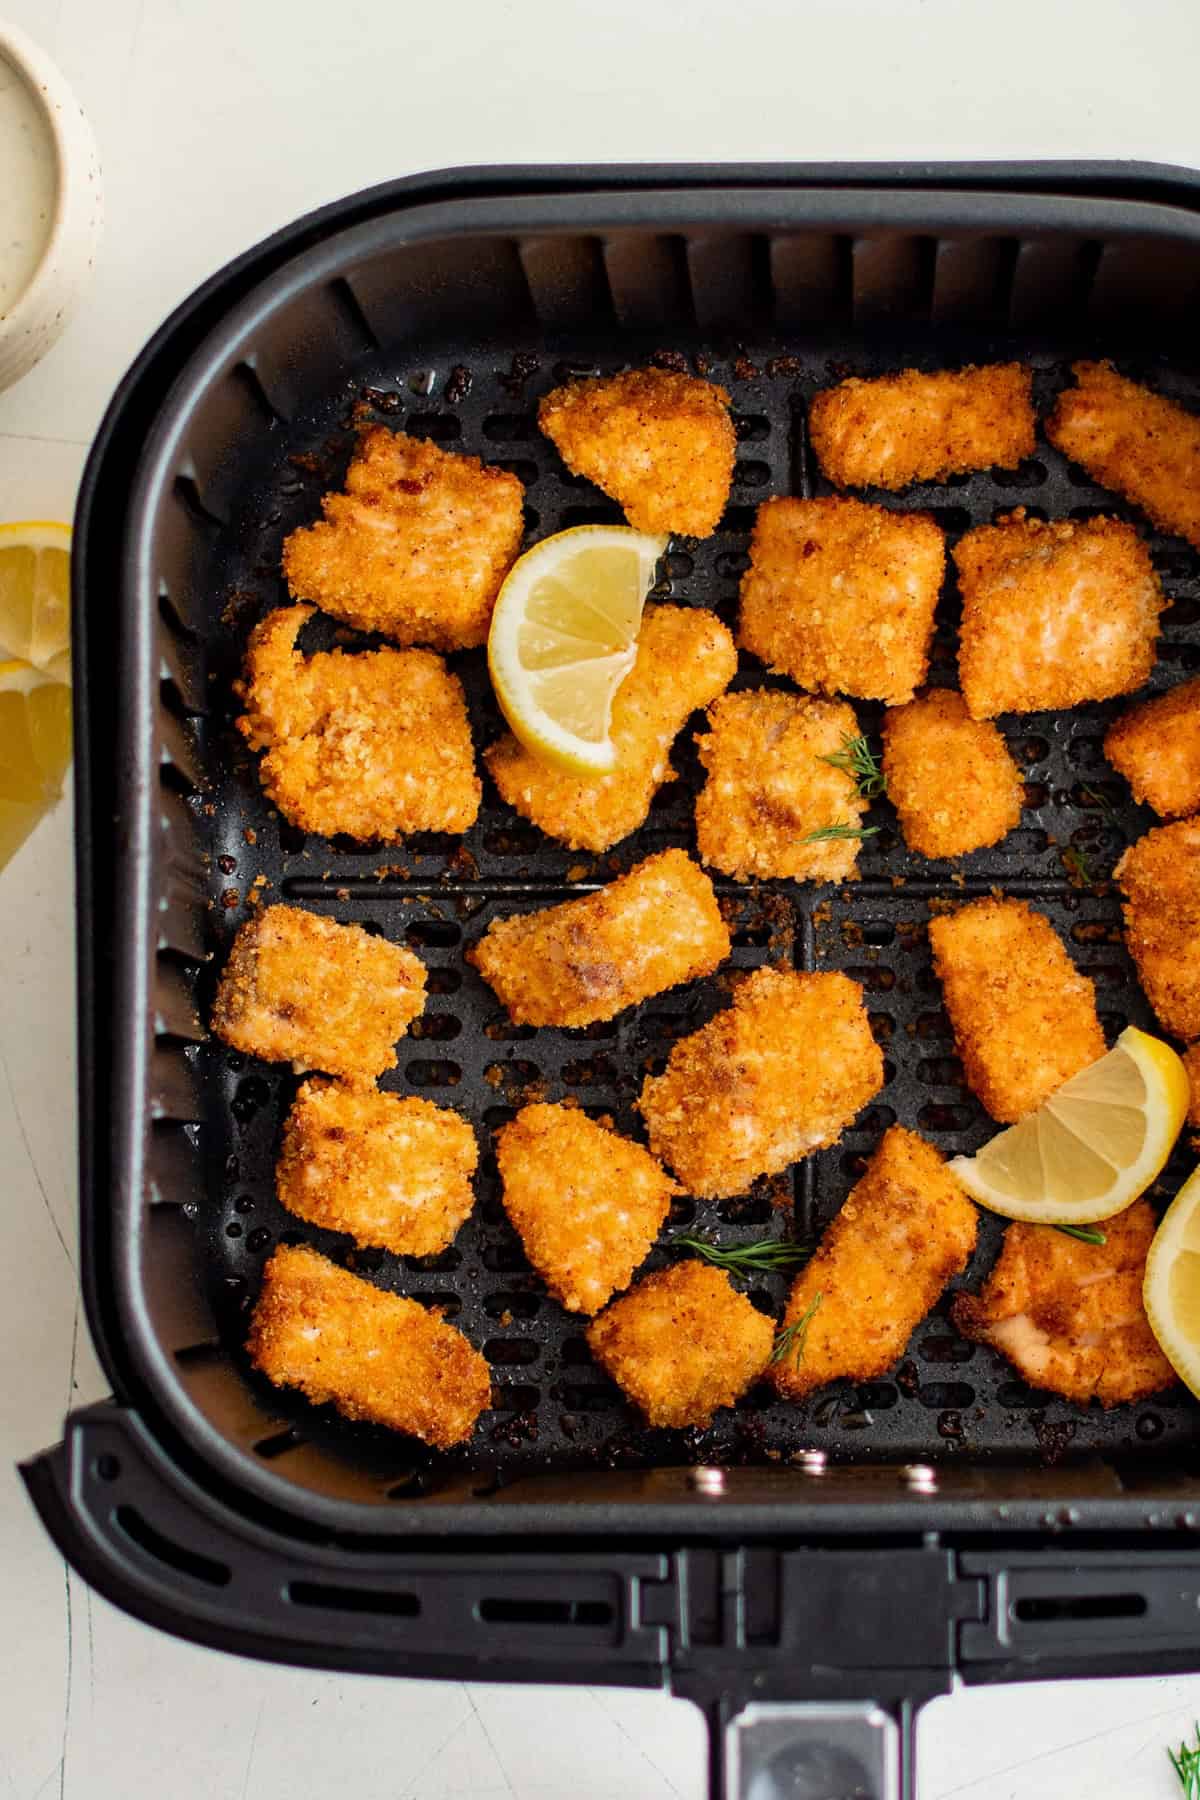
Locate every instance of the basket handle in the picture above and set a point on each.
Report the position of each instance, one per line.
(812, 1750)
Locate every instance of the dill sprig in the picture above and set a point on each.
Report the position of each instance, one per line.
(826, 833)
(744, 1259)
(1186, 1764)
(1077, 866)
(1106, 807)
(1087, 1234)
(857, 758)
(790, 1340)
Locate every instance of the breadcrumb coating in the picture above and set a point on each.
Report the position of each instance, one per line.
(779, 1073)
(1133, 441)
(590, 958)
(1054, 614)
(840, 595)
(660, 443)
(417, 545)
(374, 745)
(905, 1229)
(1160, 877)
(375, 1355)
(683, 1343)
(393, 1173)
(586, 1204)
(1069, 1315)
(685, 658)
(1156, 747)
(769, 787)
(949, 776)
(913, 427)
(1024, 1018)
(303, 989)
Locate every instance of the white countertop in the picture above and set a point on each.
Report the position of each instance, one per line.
(217, 121)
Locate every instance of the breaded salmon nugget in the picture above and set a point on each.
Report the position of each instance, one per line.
(779, 1073)
(1054, 614)
(1156, 747)
(417, 545)
(685, 658)
(586, 1204)
(912, 427)
(840, 595)
(660, 443)
(376, 1356)
(588, 959)
(1069, 1315)
(1024, 1018)
(394, 1173)
(771, 788)
(1133, 441)
(302, 989)
(375, 745)
(949, 776)
(1160, 877)
(906, 1228)
(683, 1343)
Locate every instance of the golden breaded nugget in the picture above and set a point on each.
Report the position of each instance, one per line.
(302, 989)
(682, 1343)
(1160, 876)
(1054, 614)
(375, 745)
(375, 1355)
(685, 658)
(393, 1173)
(1024, 1018)
(770, 788)
(949, 776)
(589, 959)
(840, 595)
(586, 1204)
(905, 1229)
(779, 1073)
(1156, 747)
(1069, 1315)
(912, 427)
(660, 443)
(1134, 441)
(417, 545)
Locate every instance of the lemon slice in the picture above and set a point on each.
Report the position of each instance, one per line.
(564, 637)
(35, 749)
(35, 591)
(1093, 1146)
(1171, 1291)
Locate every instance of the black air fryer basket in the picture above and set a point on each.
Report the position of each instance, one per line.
(809, 1574)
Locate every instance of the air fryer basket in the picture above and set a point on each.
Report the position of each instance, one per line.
(206, 1500)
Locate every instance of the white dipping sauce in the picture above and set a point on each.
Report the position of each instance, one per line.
(28, 181)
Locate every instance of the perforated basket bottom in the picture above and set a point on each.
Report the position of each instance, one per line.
(552, 1407)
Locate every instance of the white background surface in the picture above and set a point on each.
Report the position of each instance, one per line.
(218, 121)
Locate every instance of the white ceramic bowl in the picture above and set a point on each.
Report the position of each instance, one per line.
(34, 315)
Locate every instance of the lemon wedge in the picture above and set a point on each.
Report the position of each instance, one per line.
(35, 749)
(1093, 1146)
(35, 591)
(1171, 1291)
(564, 637)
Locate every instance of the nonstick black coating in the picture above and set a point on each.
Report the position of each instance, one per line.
(553, 1408)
